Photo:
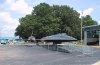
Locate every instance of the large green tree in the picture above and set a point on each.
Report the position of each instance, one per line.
(24, 30)
(87, 21)
(46, 20)
(68, 19)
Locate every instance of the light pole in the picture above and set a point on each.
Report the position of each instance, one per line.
(81, 24)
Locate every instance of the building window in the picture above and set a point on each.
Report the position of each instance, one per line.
(93, 34)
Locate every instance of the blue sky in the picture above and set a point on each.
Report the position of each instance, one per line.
(12, 10)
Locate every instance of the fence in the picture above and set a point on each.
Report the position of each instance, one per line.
(67, 47)
(85, 50)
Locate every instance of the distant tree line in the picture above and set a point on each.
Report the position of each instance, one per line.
(47, 20)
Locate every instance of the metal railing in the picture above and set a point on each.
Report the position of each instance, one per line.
(67, 47)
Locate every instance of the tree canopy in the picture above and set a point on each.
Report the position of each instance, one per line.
(46, 20)
(87, 21)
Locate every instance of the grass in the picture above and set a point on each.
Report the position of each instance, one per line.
(78, 42)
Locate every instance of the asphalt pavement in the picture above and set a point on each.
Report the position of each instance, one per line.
(37, 55)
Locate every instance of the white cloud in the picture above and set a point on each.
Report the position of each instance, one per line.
(8, 24)
(9, 1)
(9, 27)
(88, 11)
(18, 5)
(85, 12)
(7, 17)
(21, 6)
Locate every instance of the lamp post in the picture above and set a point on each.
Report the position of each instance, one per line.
(81, 24)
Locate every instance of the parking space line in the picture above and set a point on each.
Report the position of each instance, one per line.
(97, 63)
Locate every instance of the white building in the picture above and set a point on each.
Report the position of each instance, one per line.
(92, 35)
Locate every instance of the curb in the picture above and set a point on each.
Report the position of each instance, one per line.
(96, 46)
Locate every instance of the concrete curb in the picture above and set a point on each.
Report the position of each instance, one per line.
(96, 46)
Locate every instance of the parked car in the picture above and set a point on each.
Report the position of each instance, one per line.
(3, 40)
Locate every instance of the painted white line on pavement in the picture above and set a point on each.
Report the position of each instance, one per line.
(97, 63)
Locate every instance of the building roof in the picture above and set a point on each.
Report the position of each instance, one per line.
(59, 37)
(92, 27)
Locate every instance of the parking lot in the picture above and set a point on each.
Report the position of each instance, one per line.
(35, 55)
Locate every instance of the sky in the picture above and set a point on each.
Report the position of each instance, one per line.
(12, 10)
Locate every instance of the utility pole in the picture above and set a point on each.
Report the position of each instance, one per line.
(81, 24)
